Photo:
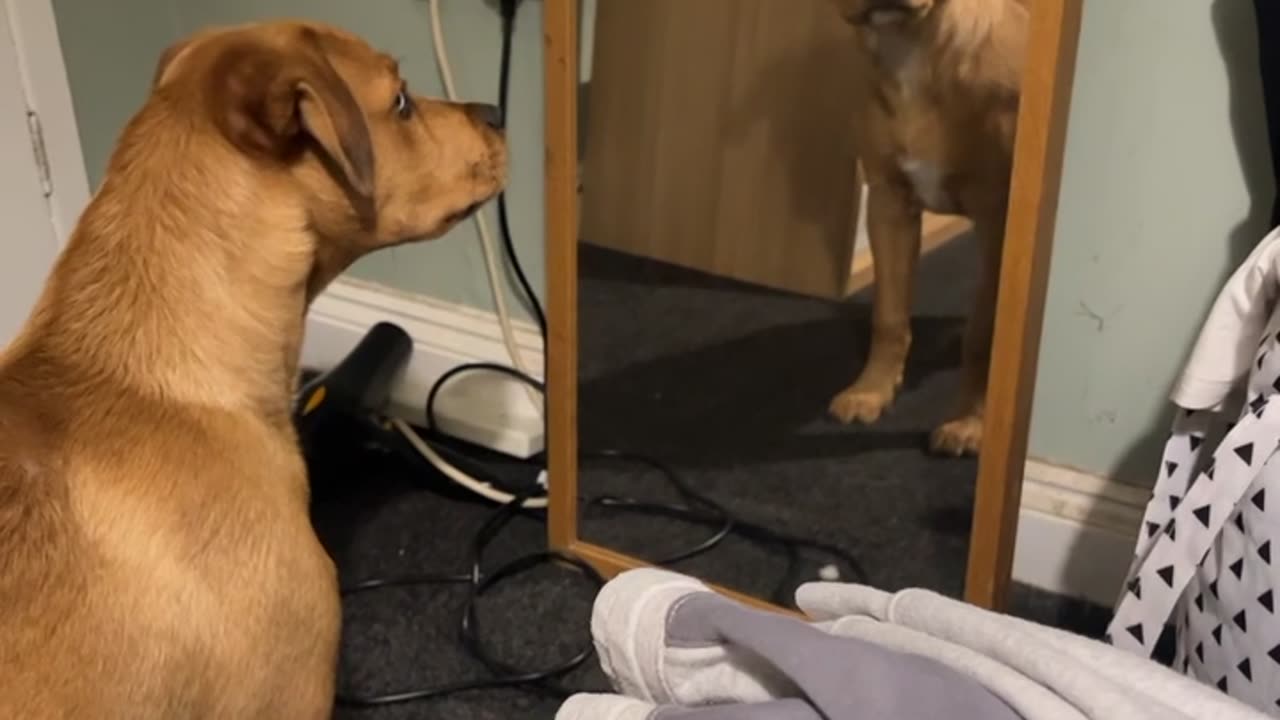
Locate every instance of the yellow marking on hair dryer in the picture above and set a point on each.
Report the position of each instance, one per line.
(315, 400)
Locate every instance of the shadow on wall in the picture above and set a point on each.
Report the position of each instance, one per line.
(1236, 30)
(1235, 27)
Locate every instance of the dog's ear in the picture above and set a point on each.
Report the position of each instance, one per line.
(274, 100)
(167, 58)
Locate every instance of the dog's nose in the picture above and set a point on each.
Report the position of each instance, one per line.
(490, 115)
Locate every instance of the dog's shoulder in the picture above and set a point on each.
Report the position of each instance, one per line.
(34, 517)
(35, 506)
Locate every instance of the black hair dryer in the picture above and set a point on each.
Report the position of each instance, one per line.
(359, 387)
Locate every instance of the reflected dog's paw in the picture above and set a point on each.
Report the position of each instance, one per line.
(958, 437)
(858, 404)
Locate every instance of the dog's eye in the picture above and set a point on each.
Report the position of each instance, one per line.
(403, 104)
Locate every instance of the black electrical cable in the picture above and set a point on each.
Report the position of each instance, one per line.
(509, 8)
(455, 371)
(703, 510)
(697, 508)
(700, 509)
(478, 584)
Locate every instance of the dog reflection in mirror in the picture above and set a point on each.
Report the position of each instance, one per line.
(939, 84)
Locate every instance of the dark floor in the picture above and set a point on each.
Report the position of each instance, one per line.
(383, 524)
(408, 638)
(729, 384)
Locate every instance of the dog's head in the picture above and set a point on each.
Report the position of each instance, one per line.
(884, 13)
(374, 164)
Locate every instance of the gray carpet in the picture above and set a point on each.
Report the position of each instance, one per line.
(728, 384)
(403, 639)
(379, 521)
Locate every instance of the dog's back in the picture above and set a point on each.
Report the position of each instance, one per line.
(39, 546)
(157, 558)
(50, 599)
(110, 560)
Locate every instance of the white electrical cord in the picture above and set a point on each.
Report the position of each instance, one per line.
(486, 239)
(478, 487)
(446, 468)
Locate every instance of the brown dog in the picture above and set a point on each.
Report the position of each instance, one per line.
(156, 556)
(940, 82)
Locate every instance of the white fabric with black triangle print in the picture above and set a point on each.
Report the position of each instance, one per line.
(1207, 559)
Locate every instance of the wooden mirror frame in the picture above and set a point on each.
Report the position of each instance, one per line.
(1037, 171)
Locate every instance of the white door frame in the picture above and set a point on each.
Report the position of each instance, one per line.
(34, 233)
(34, 32)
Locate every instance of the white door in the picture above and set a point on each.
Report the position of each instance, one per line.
(28, 241)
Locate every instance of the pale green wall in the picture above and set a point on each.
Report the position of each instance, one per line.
(111, 48)
(1166, 187)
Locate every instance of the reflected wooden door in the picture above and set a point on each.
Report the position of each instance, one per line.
(718, 139)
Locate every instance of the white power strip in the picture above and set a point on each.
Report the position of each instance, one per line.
(489, 410)
(484, 408)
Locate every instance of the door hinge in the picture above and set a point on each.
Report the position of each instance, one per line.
(41, 155)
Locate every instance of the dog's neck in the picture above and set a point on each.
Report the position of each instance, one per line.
(181, 281)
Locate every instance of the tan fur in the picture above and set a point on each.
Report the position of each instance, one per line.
(156, 555)
(940, 82)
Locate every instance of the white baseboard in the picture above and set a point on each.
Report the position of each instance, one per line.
(485, 408)
(1076, 532)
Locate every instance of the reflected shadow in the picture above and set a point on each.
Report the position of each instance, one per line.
(761, 398)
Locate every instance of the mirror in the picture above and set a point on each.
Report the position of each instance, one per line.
(741, 406)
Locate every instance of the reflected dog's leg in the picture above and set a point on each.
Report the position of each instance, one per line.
(893, 222)
(962, 434)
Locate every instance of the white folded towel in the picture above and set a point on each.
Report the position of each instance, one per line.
(1103, 682)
